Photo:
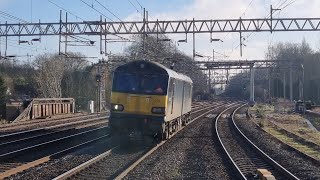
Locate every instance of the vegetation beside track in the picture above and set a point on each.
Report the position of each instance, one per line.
(290, 128)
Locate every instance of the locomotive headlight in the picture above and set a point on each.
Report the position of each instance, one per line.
(117, 107)
(158, 110)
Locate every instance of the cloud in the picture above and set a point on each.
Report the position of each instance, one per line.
(230, 9)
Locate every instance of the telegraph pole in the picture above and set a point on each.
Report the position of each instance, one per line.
(212, 54)
(144, 33)
(240, 39)
(284, 85)
(269, 84)
(251, 84)
(194, 41)
(60, 28)
(291, 83)
(66, 36)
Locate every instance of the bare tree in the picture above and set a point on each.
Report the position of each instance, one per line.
(74, 65)
(51, 68)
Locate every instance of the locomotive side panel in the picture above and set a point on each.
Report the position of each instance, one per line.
(187, 95)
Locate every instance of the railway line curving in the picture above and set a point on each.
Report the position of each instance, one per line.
(124, 161)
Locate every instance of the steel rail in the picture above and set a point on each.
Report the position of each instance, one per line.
(294, 136)
(17, 152)
(136, 163)
(40, 121)
(139, 160)
(22, 133)
(44, 135)
(45, 159)
(264, 155)
(84, 165)
(240, 174)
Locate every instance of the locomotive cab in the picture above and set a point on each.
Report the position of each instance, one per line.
(142, 98)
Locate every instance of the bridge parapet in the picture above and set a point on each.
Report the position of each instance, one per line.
(45, 107)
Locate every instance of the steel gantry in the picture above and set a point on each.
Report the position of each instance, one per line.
(159, 27)
(270, 65)
(103, 28)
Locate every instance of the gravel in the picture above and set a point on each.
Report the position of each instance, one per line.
(58, 166)
(112, 165)
(291, 160)
(244, 156)
(45, 150)
(196, 156)
(191, 154)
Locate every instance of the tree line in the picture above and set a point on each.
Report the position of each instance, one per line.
(305, 64)
(52, 75)
(49, 76)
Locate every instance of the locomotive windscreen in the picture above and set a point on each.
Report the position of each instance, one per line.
(153, 84)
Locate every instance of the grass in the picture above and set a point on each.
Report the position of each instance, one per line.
(315, 121)
(260, 110)
(292, 142)
(270, 120)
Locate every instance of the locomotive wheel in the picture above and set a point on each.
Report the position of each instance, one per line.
(165, 131)
(184, 121)
(170, 128)
(165, 135)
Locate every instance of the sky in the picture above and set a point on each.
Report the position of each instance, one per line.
(131, 10)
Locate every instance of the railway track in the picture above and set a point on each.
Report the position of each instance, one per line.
(20, 136)
(19, 142)
(299, 163)
(16, 161)
(118, 162)
(243, 153)
(36, 125)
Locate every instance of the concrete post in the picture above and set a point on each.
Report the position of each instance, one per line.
(269, 84)
(291, 84)
(251, 84)
(194, 42)
(284, 85)
(209, 82)
(301, 84)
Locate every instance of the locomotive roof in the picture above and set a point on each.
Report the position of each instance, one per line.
(168, 71)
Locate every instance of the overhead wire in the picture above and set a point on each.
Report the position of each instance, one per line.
(246, 8)
(108, 10)
(290, 3)
(139, 4)
(268, 16)
(130, 38)
(134, 6)
(92, 7)
(78, 17)
(24, 21)
(281, 6)
(241, 17)
(105, 17)
(12, 17)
